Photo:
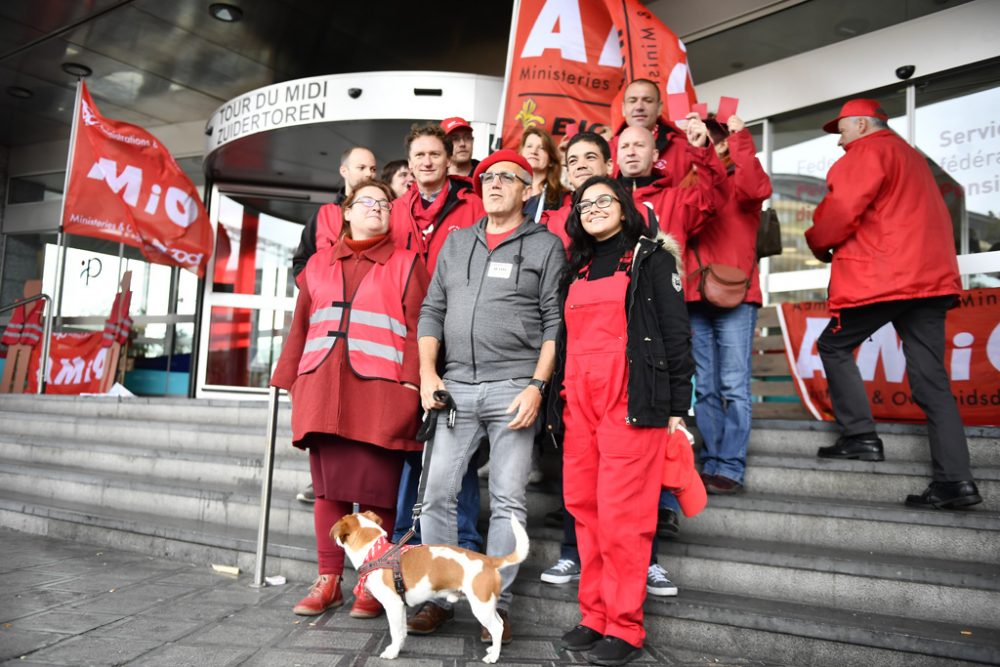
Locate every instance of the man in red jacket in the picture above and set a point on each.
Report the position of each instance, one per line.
(357, 164)
(642, 106)
(723, 337)
(885, 227)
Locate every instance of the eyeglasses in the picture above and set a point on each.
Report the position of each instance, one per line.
(603, 201)
(368, 202)
(506, 177)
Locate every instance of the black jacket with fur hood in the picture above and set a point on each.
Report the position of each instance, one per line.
(658, 344)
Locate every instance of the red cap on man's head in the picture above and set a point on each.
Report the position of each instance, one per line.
(449, 125)
(506, 155)
(859, 107)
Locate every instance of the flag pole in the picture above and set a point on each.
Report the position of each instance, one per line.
(511, 43)
(56, 309)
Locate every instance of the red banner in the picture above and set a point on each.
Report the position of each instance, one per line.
(972, 359)
(76, 364)
(125, 186)
(570, 60)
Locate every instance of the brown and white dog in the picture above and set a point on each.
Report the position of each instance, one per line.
(430, 572)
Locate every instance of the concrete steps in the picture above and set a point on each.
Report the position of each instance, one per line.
(819, 563)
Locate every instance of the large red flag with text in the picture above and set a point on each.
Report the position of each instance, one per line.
(972, 359)
(571, 58)
(125, 186)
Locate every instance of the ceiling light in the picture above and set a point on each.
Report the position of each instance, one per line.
(19, 92)
(76, 69)
(225, 12)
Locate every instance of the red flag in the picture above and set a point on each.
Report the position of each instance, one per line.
(571, 58)
(651, 51)
(565, 69)
(125, 186)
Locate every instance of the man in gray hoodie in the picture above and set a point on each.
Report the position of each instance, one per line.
(493, 304)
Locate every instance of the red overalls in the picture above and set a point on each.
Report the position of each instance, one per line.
(611, 471)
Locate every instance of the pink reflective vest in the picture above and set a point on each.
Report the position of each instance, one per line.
(373, 323)
(25, 328)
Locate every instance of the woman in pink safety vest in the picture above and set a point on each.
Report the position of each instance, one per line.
(350, 364)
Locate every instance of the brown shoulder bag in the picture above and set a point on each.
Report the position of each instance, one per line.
(721, 285)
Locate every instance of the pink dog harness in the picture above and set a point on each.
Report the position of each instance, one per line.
(382, 555)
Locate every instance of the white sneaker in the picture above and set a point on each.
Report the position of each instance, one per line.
(564, 571)
(657, 582)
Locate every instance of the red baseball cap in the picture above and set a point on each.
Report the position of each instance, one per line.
(506, 155)
(858, 107)
(449, 125)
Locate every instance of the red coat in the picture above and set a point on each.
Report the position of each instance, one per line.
(409, 221)
(683, 210)
(673, 160)
(332, 399)
(731, 236)
(556, 219)
(887, 225)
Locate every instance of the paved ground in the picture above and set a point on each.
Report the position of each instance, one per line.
(63, 603)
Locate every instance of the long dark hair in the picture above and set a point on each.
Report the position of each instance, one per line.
(582, 244)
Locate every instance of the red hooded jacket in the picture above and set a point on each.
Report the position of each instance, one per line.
(424, 229)
(887, 225)
(730, 237)
(684, 209)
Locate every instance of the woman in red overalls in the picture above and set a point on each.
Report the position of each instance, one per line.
(625, 380)
(351, 366)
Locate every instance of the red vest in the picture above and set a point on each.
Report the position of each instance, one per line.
(25, 329)
(375, 326)
(119, 324)
(329, 224)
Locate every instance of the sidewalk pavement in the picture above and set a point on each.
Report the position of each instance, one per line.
(64, 603)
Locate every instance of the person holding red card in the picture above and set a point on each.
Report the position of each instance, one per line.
(723, 337)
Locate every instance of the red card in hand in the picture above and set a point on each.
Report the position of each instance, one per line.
(702, 109)
(678, 106)
(727, 107)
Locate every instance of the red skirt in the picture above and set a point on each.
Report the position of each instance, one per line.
(352, 471)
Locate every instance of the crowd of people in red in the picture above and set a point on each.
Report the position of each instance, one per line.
(563, 291)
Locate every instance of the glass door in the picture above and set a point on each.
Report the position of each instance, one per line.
(250, 294)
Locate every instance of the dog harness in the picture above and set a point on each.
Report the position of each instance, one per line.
(383, 555)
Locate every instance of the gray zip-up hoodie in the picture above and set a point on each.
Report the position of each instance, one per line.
(493, 310)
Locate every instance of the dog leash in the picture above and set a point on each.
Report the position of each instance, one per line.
(390, 559)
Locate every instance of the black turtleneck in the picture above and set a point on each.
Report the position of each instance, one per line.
(637, 182)
(607, 256)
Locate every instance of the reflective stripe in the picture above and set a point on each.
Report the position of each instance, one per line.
(315, 344)
(380, 320)
(375, 350)
(33, 327)
(333, 314)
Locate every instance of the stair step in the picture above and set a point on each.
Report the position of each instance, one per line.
(782, 632)
(885, 481)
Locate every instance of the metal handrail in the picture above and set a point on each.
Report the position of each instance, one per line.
(265, 490)
(46, 336)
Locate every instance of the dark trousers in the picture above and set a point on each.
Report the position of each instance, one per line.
(920, 325)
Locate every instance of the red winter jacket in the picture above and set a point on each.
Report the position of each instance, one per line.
(684, 209)
(731, 236)
(672, 161)
(424, 230)
(887, 225)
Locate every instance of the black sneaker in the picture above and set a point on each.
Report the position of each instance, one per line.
(612, 651)
(580, 638)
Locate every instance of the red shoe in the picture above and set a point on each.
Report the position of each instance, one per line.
(366, 606)
(324, 594)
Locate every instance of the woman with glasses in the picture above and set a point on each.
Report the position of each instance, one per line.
(351, 366)
(547, 190)
(624, 376)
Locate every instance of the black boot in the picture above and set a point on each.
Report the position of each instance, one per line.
(580, 638)
(863, 447)
(946, 495)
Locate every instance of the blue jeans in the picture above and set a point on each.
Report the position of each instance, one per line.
(481, 411)
(721, 344)
(468, 504)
